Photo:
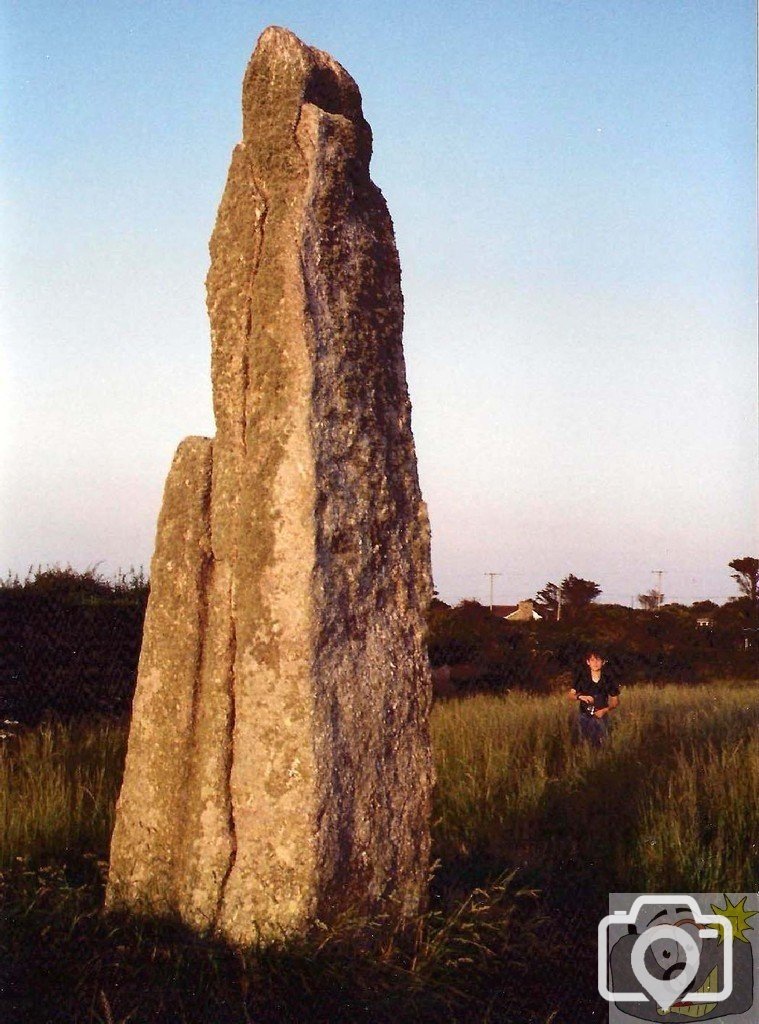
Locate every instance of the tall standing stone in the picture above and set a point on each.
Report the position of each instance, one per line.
(279, 766)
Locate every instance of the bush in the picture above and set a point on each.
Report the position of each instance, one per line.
(498, 655)
(70, 643)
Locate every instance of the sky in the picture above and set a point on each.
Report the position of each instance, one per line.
(572, 184)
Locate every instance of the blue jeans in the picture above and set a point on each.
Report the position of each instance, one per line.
(593, 730)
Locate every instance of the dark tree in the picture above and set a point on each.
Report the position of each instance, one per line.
(574, 594)
(577, 593)
(746, 575)
(651, 601)
(547, 601)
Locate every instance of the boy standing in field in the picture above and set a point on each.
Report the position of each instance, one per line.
(597, 695)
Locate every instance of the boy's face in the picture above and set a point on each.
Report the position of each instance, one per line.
(595, 662)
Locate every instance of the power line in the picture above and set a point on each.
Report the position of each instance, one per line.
(658, 573)
(492, 576)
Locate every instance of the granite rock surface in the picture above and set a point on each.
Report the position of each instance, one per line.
(279, 768)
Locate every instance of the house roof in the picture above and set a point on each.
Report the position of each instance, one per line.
(502, 610)
(506, 611)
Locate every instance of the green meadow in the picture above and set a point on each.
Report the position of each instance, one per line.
(531, 832)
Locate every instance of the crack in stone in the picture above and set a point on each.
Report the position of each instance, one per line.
(261, 227)
(230, 731)
(228, 766)
(205, 575)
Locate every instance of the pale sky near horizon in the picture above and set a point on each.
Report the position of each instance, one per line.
(572, 187)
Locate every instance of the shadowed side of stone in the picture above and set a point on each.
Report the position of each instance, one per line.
(300, 775)
(372, 578)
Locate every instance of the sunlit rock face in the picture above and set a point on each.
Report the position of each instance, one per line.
(279, 767)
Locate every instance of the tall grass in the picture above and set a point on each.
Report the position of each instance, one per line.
(671, 801)
(58, 788)
(531, 832)
(711, 840)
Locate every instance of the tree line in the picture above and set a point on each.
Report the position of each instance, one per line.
(574, 595)
(70, 641)
(657, 642)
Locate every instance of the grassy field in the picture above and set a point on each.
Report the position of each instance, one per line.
(531, 832)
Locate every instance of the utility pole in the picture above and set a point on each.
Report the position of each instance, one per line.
(658, 573)
(558, 602)
(492, 576)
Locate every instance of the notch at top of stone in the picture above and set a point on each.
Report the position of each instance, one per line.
(282, 75)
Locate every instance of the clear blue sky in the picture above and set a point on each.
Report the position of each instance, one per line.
(572, 185)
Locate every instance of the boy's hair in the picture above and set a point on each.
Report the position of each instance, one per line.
(591, 651)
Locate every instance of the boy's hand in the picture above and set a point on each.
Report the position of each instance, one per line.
(585, 697)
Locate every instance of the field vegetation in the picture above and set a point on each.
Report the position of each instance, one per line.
(531, 832)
